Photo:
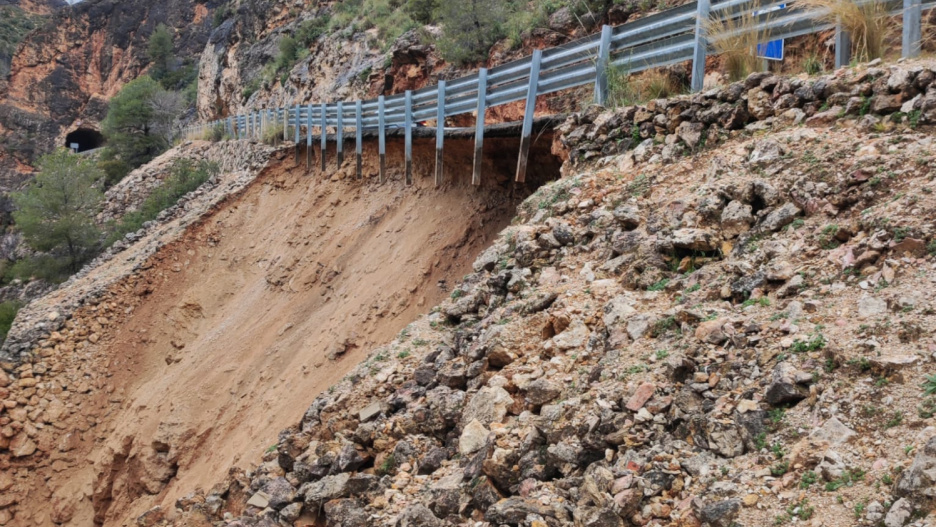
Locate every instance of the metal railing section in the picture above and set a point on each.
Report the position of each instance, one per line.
(669, 37)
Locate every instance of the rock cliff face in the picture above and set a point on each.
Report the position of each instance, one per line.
(64, 72)
(349, 64)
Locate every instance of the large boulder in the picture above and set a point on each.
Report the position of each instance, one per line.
(918, 483)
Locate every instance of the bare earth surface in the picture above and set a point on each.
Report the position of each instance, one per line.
(221, 338)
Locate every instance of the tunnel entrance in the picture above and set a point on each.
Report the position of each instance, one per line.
(83, 139)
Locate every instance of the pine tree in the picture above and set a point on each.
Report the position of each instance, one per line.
(56, 211)
(470, 28)
(160, 52)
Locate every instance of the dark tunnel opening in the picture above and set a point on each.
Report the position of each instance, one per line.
(82, 140)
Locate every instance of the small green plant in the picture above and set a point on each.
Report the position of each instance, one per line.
(887, 479)
(760, 441)
(929, 387)
(815, 343)
(388, 465)
(779, 469)
(895, 420)
(813, 64)
(664, 325)
(456, 294)
(807, 479)
(777, 450)
(659, 286)
(419, 342)
(927, 408)
(862, 363)
(859, 509)
(693, 288)
(776, 416)
(403, 354)
(847, 479)
(761, 301)
(662, 354)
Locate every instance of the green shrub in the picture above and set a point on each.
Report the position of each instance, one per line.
(114, 168)
(273, 134)
(55, 212)
(160, 52)
(216, 133)
(422, 11)
(251, 88)
(8, 312)
(139, 120)
(184, 176)
(470, 28)
(222, 13)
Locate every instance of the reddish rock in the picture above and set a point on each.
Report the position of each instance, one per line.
(22, 446)
(640, 397)
(908, 245)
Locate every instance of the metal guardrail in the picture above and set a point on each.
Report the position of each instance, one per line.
(672, 36)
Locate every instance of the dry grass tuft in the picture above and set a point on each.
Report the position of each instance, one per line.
(625, 89)
(868, 24)
(736, 40)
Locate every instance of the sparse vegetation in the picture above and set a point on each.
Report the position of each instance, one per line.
(184, 176)
(55, 213)
(868, 24)
(8, 312)
(736, 40)
(625, 89)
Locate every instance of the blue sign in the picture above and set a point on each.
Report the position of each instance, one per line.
(772, 50)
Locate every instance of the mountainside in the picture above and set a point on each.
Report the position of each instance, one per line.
(352, 49)
(64, 72)
(718, 316)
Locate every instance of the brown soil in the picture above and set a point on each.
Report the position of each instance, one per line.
(226, 333)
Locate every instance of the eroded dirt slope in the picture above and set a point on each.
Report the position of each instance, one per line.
(221, 338)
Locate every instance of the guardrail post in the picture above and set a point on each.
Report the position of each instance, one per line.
(842, 46)
(339, 135)
(479, 127)
(296, 135)
(601, 66)
(324, 134)
(701, 44)
(381, 138)
(440, 131)
(359, 138)
(309, 137)
(285, 122)
(528, 112)
(408, 139)
(912, 28)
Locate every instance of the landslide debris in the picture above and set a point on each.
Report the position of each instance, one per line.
(721, 315)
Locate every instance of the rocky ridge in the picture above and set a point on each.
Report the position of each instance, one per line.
(672, 334)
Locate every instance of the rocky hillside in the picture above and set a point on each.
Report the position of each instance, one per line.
(721, 315)
(346, 52)
(64, 72)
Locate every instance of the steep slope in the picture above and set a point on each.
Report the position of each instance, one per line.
(717, 317)
(207, 348)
